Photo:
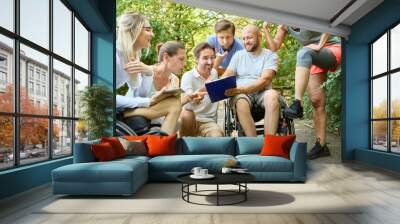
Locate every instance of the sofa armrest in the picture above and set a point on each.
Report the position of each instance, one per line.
(83, 152)
(298, 155)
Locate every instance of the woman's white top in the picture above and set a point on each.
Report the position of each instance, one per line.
(173, 83)
(139, 92)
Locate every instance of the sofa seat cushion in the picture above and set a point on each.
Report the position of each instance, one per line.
(133, 157)
(206, 145)
(185, 163)
(257, 163)
(113, 171)
(249, 145)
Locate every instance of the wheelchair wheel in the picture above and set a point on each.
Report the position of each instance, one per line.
(123, 129)
(230, 120)
(285, 125)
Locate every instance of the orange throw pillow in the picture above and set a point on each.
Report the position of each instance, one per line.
(103, 152)
(116, 145)
(161, 145)
(277, 145)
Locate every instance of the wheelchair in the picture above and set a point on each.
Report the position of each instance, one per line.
(285, 125)
(136, 125)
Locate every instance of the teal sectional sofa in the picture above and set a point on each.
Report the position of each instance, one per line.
(125, 176)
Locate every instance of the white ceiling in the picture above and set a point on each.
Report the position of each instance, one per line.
(318, 15)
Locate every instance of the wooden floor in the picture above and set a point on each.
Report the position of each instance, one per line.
(379, 190)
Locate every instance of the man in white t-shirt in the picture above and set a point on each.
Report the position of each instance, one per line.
(254, 68)
(199, 116)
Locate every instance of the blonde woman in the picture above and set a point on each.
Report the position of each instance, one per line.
(135, 34)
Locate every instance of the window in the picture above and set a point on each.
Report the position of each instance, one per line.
(385, 96)
(30, 87)
(3, 78)
(44, 91)
(7, 14)
(3, 61)
(38, 89)
(81, 81)
(47, 91)
(62, 74)
(3, 72)
(30, 73)
(62, 29)
(81, 45)
(37, 74)
(35, 22)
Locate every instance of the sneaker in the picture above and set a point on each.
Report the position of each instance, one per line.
(295, 110)
(318, 151)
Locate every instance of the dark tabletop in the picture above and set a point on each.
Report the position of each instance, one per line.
(220, 178)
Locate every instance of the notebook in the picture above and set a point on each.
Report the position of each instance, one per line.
(216, 89)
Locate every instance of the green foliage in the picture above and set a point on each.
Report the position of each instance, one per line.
(170, 21)
(95, 102)
(287, 64)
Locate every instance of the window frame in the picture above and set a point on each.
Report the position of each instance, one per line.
(16, 114)
(388, 74)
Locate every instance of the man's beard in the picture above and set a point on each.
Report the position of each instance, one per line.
(208, 68)
(254, 47)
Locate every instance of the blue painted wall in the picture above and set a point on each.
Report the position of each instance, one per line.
(27, 177)
(99, 16)
(356, 100)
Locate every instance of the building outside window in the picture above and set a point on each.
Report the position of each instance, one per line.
(385, 95)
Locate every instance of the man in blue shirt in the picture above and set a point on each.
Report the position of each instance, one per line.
(225, 44)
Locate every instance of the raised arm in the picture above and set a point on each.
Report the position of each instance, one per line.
(274, 44)
(218, 59)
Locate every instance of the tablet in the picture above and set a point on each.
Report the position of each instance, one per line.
(172, 91)
(216, 89)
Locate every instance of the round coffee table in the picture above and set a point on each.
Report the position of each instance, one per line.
(238, 179)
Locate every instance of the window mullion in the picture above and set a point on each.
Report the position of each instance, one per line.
(50, 81)
(371, 89)
(388, 96)
(16, 83)
(73, 81)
